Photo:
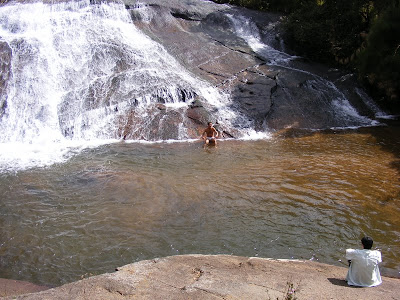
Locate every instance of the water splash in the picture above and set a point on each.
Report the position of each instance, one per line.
(77, 71)
(379, 113)
(331, 100)
(143, 11)
(81, 71)
(248, 30)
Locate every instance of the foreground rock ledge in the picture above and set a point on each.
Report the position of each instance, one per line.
(219, 277)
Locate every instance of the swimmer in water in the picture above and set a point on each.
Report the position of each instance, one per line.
(210, 134)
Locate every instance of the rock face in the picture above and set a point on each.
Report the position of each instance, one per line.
(5, 73)
(219, 277)
(200, 35)
(9, 287)
(267, 91)
(108, 85)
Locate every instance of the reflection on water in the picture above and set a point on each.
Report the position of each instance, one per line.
(304, 196)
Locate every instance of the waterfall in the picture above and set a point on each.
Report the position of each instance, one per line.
(79, 72)
(249, 31)
(379, 113)
(332, 102)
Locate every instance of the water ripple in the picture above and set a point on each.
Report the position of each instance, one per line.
(283, 198)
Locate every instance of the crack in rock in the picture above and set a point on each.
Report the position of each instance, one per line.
(253, 54)
(186, 17)
(111, 291)
(171, 285)
(236, 75)
(235, 50)
(213, 73)
(213, 59)
(211, 292)
(275, 77)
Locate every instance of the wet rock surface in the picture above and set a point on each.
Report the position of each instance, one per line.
(202, 36)
(219, 277)
(269, 89)
(5, 73)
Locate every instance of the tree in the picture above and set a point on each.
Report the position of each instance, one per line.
(362, 35)
(307, 31)
(379, 61)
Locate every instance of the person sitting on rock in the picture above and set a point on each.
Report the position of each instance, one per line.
(210, 134)
(364, 270)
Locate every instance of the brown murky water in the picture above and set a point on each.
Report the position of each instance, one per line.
(302, 195)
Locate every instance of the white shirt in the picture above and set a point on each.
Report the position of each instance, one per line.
(363, 270)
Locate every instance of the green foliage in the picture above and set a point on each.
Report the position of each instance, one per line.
(337, 30)
(306, 31)
(363, 35)
(379, 61)
(346, 21)
(328, 30)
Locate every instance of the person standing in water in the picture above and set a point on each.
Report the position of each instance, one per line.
(364, 270)
(210, 134)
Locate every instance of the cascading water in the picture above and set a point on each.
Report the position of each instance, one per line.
(332, 102)
(379, 113)
(249, 31)
(80, 73)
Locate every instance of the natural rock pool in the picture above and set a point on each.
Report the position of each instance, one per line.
(302, 195)
(85, 83)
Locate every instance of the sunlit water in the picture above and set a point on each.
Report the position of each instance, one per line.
(76, 201)
(307, 196)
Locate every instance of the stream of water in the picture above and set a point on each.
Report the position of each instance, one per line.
(76, 200)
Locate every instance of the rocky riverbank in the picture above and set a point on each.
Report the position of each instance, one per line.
(216, 277)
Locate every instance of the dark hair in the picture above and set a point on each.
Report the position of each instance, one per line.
(367, 242)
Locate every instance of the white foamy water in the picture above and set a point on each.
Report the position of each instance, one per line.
(77, 71)
(42, 153)
(256, 135)
(81, 73)
(325, 91)
(248, 30)
(371, 104)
